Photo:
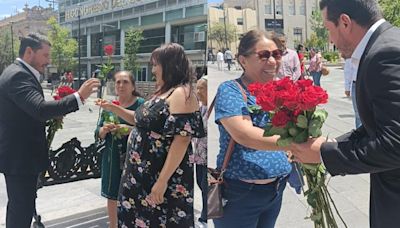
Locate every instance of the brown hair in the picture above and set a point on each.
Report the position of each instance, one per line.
(176, 67)
(131, 79)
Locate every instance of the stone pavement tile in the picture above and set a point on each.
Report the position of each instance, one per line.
(349, 183)
(354, 219)
(293, 211)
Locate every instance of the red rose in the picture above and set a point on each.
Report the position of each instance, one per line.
(280, 119)
(116, 102)
(267, 103)
(63, 91)
(108, 50)
(304, 83)
(255, 88)
(284, 84)
(311, 97)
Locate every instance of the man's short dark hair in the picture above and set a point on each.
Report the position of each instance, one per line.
(363, 12)
(34, 41)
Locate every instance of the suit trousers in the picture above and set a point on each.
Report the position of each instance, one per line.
(21, 192)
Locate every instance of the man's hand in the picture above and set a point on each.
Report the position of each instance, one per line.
(308, 152)
(88, 87)
(347, 93)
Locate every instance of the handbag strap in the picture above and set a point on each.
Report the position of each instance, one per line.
(232, 142)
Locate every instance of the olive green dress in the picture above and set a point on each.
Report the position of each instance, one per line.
(113, 154)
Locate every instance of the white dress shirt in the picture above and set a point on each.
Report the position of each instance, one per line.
(359, 51)
(37, 76)
(350, 75)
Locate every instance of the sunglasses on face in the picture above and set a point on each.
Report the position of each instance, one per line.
(265, 54)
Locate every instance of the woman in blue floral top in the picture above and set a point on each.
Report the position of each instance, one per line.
(257, 171)
(115, 148)
(157, 180)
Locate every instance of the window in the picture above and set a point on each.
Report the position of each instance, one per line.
(240, 21)
(141, 75)
(268, 7)
(199, 36)
(152, 40)
(298, 35)
(302, 7)
(191, 37)
(292, 8)
(278, 7)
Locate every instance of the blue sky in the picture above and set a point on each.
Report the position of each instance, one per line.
(218, 1)
(8, 7)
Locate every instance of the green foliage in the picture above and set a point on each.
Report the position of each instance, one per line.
(319, 38)
(63, 48)
(133, 38)
(217, 33)
(331, 56)
(5, 48)
(391, 11)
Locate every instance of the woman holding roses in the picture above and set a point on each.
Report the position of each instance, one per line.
(115, 147)
(156, 188)
(257, 171)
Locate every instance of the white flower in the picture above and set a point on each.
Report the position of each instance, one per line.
(179, 171)
(126, 204)
(189, 200)
(181, 214)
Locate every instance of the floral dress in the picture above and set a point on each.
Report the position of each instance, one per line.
(148, 146)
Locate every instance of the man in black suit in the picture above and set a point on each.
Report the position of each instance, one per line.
(358, 30)
(23, 114)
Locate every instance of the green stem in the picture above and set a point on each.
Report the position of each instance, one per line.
(334, 206)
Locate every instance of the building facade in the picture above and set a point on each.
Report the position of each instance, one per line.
(291, 17)
(31, 20)
(244, 20)
(105, 22)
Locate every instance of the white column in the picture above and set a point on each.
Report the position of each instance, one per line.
(122, 48)
(88, 46)
(167, 32)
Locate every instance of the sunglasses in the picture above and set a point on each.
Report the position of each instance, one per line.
(265, 54)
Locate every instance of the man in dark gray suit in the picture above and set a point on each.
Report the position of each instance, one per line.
(359, 31)
(23, 114)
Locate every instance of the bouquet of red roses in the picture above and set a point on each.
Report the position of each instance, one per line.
(294, 116)
(57, 123)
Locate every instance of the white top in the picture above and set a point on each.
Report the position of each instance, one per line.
(358, 52)
(350, 74)
(220, 56)
(37, 75)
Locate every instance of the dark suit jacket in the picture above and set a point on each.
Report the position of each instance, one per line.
(375, 146)
(23, 114)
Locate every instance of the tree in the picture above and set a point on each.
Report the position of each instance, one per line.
(320, 40)
(133, 37)
(217, 33)
(63, 48)
(391, 11)
(6, 57)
